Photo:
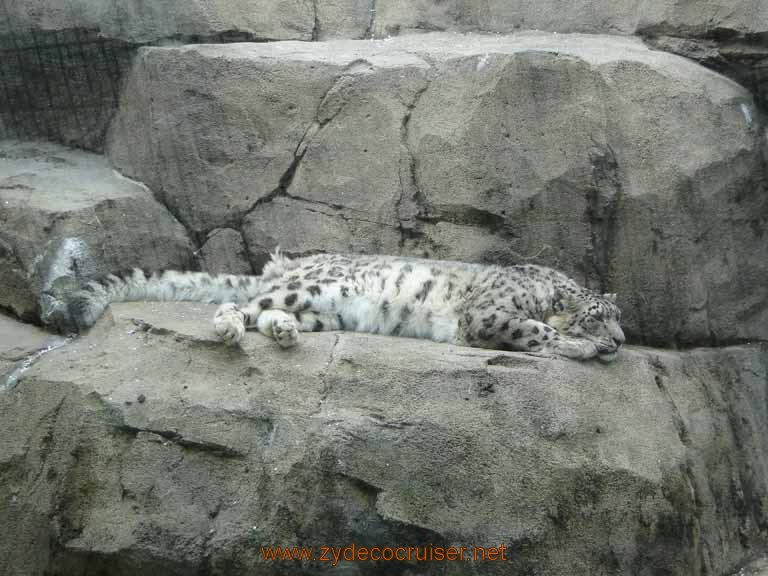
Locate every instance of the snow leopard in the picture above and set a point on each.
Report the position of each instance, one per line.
(527, 308)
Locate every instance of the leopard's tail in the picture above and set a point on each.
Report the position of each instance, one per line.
(82, 307)
(87, 304)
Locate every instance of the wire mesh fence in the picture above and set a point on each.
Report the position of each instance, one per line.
(60, 85)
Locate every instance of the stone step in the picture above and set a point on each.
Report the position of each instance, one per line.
(634, 170)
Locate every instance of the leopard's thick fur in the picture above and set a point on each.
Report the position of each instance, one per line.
(526, 308)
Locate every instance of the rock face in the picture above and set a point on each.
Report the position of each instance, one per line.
(153, 20)
(147, 447)
(66, 216)
(224, 252)
(149, 21)
(673, 17)
(65, 61)
(571, 151)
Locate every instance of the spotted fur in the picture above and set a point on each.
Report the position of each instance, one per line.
(526, 308)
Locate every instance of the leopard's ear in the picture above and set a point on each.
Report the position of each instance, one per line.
(611, 297)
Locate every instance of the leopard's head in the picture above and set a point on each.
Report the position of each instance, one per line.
(593, 317)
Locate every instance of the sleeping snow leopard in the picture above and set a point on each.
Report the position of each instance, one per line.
(524, 308)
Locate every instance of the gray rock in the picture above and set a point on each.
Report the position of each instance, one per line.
(148, 447)
(17, 297)
(757, 567)
(224, 253)
(702, 18)
(744, 58)
(345, 19)
(21, 345)
(635, 171)
(710, 18)
(238, 122)
(65, 61)
(67, 216)
(155, 20)
(18, 341)
(300, 227)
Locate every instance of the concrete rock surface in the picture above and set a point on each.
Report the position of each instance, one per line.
(148, 447)
(635, 171)
(65, 215)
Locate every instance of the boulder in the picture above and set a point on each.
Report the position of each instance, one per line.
(67, 216)
(633, 170)
(214, 166)
(148, 447)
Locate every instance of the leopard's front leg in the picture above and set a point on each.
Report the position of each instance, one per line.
(576, 348)
(505, 331)
(230, 323)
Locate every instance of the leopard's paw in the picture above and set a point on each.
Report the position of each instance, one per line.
(229, 323)
(285, 331)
